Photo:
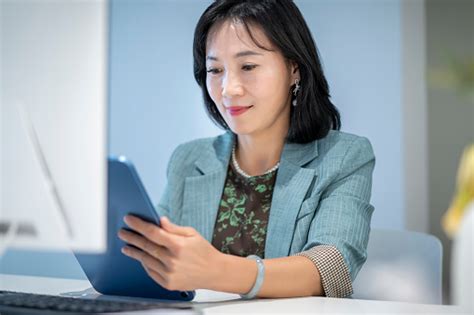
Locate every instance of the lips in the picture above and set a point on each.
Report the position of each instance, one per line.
(237, 110)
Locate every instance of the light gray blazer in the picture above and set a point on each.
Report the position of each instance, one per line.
(321, 195)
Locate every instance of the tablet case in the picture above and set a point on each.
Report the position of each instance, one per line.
(112, 272)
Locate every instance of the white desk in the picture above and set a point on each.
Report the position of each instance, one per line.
(211, 302)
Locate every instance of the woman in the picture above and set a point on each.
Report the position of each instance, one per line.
(278, 206)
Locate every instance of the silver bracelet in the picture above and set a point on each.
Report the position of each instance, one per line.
(258, 282)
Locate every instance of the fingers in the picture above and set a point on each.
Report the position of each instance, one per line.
(150, 231)
(154, 268)
(176, 229)
(155, 250)
(145, 259)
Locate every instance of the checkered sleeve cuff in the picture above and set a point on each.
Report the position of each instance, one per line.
(335, 276)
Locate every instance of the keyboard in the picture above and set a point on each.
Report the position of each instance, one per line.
(12, 301)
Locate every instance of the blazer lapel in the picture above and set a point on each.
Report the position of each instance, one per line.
(291, 187)
(202, 193)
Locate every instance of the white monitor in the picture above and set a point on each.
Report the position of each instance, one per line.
(53, 124)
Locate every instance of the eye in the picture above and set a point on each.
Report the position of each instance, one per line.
(213, 71)
(248, 67)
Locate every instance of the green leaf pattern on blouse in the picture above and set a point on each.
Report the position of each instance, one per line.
(242, 219)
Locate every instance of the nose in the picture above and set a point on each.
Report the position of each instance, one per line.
(231, 85)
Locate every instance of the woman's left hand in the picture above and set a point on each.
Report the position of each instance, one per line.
(177, 258)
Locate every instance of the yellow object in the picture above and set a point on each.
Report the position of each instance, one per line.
(464, 193)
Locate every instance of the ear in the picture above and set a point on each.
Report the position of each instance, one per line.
(294, 71)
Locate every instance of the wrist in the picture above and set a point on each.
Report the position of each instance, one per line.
(233, 274)
(217, 271)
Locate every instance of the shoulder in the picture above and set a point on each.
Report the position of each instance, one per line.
(340, 151)
(338, 143)
(191, 150)
(186, 154)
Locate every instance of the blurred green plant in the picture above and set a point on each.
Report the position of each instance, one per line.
(457, 74)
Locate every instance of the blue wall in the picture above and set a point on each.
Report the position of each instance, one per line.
(156, 104)
(360, 44)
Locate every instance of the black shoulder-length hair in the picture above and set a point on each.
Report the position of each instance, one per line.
(283, 24)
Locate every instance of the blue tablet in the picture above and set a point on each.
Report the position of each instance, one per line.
(113, 273)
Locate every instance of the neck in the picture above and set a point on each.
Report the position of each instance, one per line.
(257, 154)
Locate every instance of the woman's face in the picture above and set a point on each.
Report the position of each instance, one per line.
(250, 86)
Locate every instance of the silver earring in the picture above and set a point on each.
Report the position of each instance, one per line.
(295, 91)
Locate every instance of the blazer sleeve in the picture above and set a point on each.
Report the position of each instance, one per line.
(164, 206)
(344, 212)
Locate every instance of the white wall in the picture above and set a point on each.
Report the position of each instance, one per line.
(414, 120)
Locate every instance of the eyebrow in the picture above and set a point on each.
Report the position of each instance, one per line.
(237, 55)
